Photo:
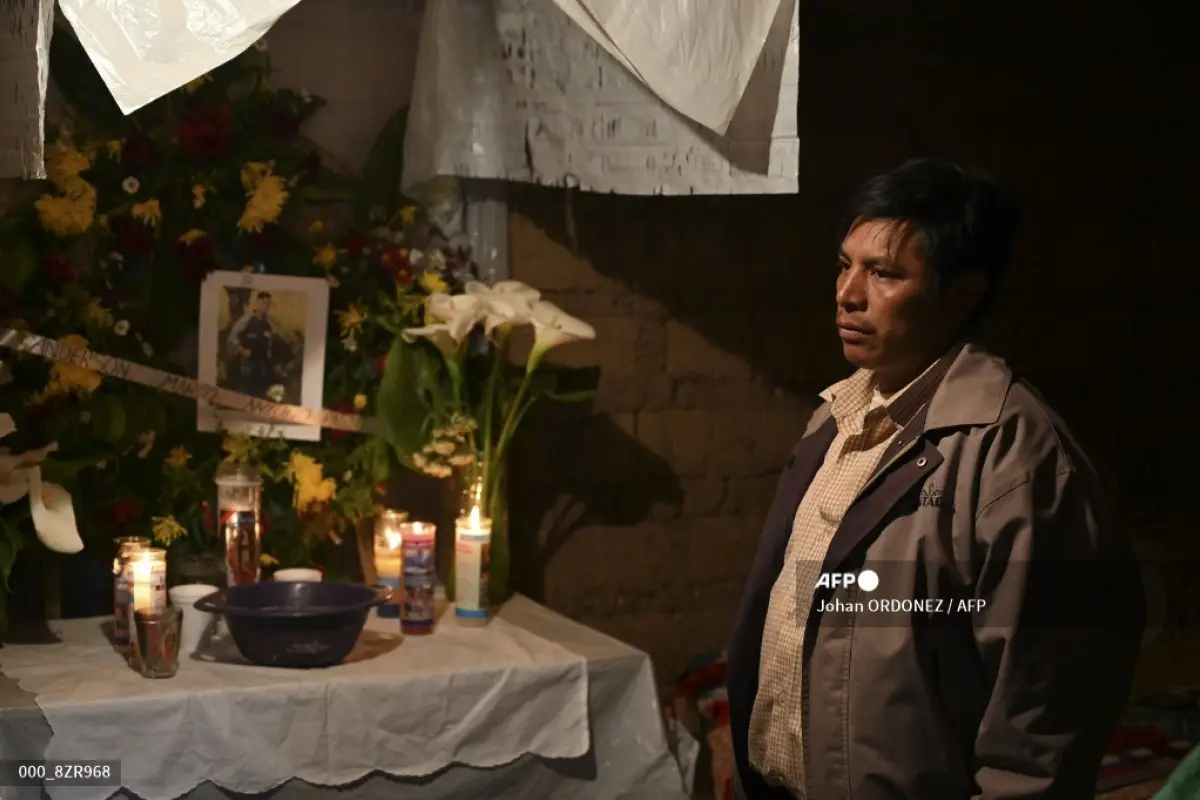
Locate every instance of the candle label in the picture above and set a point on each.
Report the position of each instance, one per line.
(121, 601)
(471, 568)
(242, 557)
(390, 609)
(152, 596)
(416, 615)
(419, 555)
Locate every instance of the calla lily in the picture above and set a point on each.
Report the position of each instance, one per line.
(459, 312)
(508, 302)
(438, 334)
(554, 327)
(52, 512)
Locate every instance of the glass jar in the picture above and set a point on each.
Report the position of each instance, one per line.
(389, 558)
(122, 595)
(146, 576)
(239, 521)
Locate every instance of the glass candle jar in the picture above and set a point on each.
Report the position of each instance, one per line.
(122, 595)
(389, 558)
(239, 521)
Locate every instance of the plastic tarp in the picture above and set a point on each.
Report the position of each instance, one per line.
(144, 49)
(696, 55)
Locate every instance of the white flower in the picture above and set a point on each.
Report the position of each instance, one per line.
(146, 440)
(461, 312)
(437, 333)
(121, 328)
(435, 261)
(508, 302)
(131, 185)
(350, 344)
(49, 504)
(347, 476)
(554, 327)
(276, 393)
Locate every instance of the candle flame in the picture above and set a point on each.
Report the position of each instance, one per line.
(393, 539)
(474, 518)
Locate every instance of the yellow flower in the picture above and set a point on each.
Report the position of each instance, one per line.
(71, 213)
(268, 560)
(167, 530)
(198, 196)
(267, 196)
(325, 257)
(115, 148)
(316, 226)
(192, 235)
(311, 486)
(351, 320)
(239, 448)
(64, 162)
(192, 86)
(148, 212)
(408, 215)
(65, 378)
(433, 283)
(360, 402)
(177, 458)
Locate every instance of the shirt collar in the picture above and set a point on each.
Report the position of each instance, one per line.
(852, 399)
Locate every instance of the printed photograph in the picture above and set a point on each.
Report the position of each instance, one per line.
(263, 336)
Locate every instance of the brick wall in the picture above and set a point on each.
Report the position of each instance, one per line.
(714, 314)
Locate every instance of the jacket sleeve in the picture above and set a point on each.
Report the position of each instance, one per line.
(1057, 639)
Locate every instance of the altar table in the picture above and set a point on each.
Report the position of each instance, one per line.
(533, 707)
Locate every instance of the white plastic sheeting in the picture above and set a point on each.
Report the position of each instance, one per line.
(696, 55)
(145, 49)
(517, 90)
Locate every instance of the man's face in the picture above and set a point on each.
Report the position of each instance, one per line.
(891, 317)
(262, 305)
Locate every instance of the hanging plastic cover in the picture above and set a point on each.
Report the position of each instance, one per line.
(144, 49)
(696, 55)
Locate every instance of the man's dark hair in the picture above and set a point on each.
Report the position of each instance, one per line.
(263, 296)
(961, 219)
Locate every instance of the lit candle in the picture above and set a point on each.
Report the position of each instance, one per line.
(148, 579)
(472, 553)
(419, 540)
(389, 558)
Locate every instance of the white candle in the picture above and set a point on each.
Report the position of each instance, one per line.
(472, 553)
(148, 580)
(389, 559)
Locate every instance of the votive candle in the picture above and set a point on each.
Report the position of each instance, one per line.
(389, 558)
(472, 554)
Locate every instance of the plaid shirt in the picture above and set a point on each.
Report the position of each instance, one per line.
(866, 424)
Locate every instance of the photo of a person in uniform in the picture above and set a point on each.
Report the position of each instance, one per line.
(258, 347)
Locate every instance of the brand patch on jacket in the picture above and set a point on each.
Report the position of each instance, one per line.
(933, 497)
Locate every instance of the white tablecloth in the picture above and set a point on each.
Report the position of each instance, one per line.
(513, 694)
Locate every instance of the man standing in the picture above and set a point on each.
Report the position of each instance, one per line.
(251, 340)
(1002, 659)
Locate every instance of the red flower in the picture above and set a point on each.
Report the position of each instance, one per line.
(122, 511)
(204, 133)
(197, 257)
(57, 266)
(395, 261)
(138, 151)
(354, 244)
(380, 364)
(132, 236)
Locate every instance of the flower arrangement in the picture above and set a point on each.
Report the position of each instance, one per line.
(138, 211)
(452, 398)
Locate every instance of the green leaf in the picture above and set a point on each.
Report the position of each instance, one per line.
(18, 262)
(402, 409)
(80, 84)
(382, 170)
(108, 418)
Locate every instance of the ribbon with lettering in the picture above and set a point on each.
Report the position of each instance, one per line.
(183, 387)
